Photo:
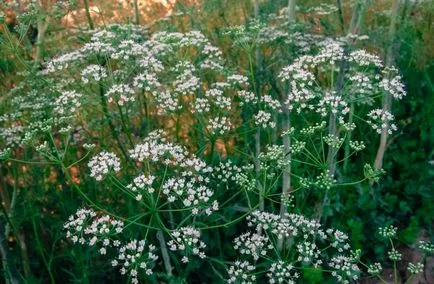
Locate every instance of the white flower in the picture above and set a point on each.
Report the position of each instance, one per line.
(86, 228)
(252, 244)
(415, 268)
(187, 241)
(380, 120)
(67, 103)
(120, 94)
(134, 258)
(344, 269)
(101, 164)
(281, 272)
(141, 183)
(263, 119)
(219, 125)
(394, 87)
(241, 272)
(93, 73)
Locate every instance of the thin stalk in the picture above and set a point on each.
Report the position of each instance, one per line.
(24, 253)
(10, 211)
(89, 18)
(291, 10)
(124, 126)
(355, 25)
(8, 271)
(42, 25)
(258, 166)
(286, 126)
(356, 18)
(258, 63)
(387, 101)
(286, 175)
(41, 251)
(395, 270)
(107, 115)
(347, 143)
(332, 118)
(137, 12)
(332, 151)
(341, 15)
(164, 252)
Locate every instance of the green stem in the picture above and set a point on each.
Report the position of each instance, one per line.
(107, 115)
(41, 252)
(137, 12)
(89, 18)
(348, 140)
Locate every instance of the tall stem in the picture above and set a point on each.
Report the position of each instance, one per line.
(341, 15)
(387, 101)
(42, 25)
(7, 266)
(286, 139)
(356, 18)
(107, 115)
(332, 151)
(258, 167)
(89, 18)
(258, 63)
(165, 254)
(291, 10)
(347, 143)
(286, 176)
(137, 12)
(355, 26)
(8, 270)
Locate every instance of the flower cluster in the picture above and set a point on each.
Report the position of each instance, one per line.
(281, 272)
(120, 94)
(187, 241)
(357, 145)
(191, 175)
(309, 237)
(101, 164)
(426, 247)
(132, 257)
(93, 73)
(394, 255)
(375, 268)
(155, 148)
(219, 125)
(380, 120)
(310, 92)
(415, 268)
(289, 226)
(225, 172)
(264, 119)
(141, 183)
(335, 105)
(275, 156)
(394, 87)
(252, 244)
(388, 231)
(67, 103)
(345, 269)
(85, 227)
(241, 272)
